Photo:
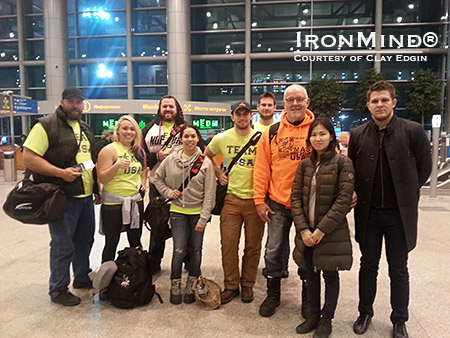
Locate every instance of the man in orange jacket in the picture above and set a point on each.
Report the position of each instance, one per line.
(276, 161)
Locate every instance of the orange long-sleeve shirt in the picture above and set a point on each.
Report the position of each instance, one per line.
(277, 161)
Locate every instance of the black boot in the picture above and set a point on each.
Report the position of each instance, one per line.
(304, 300)
(324, 328)
(311, 322)
(272, 300)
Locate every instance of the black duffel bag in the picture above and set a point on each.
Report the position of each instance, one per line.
(35, 203)
(221, 190)
(156, 215)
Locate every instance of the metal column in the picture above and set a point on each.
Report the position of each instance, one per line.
(378, 24)
(179, 49)
(56, 48)
(248, 50)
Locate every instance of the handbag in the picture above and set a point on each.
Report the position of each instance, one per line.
(35, 203)
(207, 292)
(157, 212)
(221, 190)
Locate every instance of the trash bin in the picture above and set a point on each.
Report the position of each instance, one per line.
(9, 166)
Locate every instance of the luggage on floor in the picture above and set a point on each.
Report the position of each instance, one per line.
(131, 285)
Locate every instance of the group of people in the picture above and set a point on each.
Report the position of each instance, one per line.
(293, 175)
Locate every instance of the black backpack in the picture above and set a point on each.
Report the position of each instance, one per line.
(131, 285)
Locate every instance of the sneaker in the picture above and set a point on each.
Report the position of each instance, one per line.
(66, 298)
(82, 285)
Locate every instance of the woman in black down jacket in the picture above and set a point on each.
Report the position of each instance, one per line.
(321, 197)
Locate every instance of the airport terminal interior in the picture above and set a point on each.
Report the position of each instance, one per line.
(126, 54)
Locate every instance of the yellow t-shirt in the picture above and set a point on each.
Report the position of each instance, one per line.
(125, 182)
(261, 127)
(37, 141)
(185, 211)
(168, 126)
(240, 179)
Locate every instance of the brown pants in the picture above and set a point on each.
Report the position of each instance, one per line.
(236, 212)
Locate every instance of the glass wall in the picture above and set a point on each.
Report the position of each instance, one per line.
(99, 32)
(105, 66)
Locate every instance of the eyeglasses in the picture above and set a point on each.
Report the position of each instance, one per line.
(299, 100)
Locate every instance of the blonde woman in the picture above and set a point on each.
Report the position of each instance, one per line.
(122, 170)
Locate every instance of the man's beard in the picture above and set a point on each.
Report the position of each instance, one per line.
(172, 118)
(266, 117)
(73, 115)
(239, 126)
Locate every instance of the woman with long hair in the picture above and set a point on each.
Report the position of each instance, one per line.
(193, 198)
(321, 197)
(122, 170)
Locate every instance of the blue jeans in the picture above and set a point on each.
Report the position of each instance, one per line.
(277, 240)
(71, 242)
(183, 234)
(385, 223)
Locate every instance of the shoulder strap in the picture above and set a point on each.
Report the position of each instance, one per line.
(194, 171)
(173, 133)
(273, 130)
(253, 141)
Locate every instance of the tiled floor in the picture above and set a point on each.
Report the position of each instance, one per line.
(26, 310)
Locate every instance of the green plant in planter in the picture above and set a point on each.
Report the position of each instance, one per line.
(424, 95)
(327, 96)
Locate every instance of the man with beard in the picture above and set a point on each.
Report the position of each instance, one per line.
(266, 107)
(53, 151)
(161, 137)
(277, 160)
(238, 208)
